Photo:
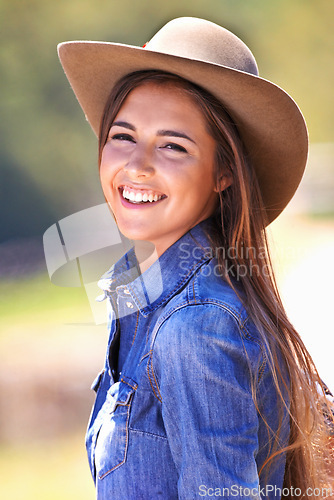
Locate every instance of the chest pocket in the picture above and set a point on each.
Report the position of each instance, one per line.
(112, 439)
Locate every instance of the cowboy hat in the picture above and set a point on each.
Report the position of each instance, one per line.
(269, 121)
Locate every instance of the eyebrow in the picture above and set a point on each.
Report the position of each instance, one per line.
(174, 133)
(124, 125)
(161, 133)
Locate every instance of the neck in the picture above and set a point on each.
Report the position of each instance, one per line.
(146, 254)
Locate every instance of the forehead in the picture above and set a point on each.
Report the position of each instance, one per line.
(163, 100)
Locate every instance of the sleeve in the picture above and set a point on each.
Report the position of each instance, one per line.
(204, 377)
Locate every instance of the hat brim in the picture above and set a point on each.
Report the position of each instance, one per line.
(269, 121)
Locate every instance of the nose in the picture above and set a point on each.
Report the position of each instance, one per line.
(140, 163)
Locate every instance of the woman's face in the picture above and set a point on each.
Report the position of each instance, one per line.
(157, 166)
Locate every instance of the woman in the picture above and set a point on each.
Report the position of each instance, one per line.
(207, 388)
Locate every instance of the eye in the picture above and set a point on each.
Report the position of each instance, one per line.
(122, 137)
(175, 147)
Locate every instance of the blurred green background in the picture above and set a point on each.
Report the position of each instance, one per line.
(50, 348)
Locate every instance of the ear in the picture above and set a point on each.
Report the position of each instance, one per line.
(224, 182)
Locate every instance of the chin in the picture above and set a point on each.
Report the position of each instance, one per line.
(134, 232)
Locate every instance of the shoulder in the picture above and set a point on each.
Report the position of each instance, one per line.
(208, 315)
(206, 293)
(209, 287)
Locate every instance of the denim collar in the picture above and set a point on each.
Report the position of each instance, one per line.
(165, 276)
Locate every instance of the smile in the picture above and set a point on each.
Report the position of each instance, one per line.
(137, 196)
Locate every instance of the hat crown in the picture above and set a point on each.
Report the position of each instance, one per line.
(203, 40)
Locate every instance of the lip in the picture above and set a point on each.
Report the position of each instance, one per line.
(138, 206)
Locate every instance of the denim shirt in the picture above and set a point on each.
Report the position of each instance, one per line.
(179, 421)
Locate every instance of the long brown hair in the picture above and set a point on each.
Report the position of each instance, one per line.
(240, 222)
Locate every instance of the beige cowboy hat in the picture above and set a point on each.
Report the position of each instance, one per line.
(269, 121)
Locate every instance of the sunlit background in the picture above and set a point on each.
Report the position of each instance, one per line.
(50, 347)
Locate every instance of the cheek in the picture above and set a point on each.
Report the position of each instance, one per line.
(202, 180)
(107, 181)
(197, 179)
(106, 158)
(108, 167)
(103, 177)
(104, 171)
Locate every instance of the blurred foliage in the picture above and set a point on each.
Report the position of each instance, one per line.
(50, 353)
(48, 152)
(35, 302)
(52, 471)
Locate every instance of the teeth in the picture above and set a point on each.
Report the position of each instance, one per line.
(140, 197)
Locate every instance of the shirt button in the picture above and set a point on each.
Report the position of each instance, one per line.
(126, 291)
(129, 304)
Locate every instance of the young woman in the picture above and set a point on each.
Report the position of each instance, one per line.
(207, 388)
